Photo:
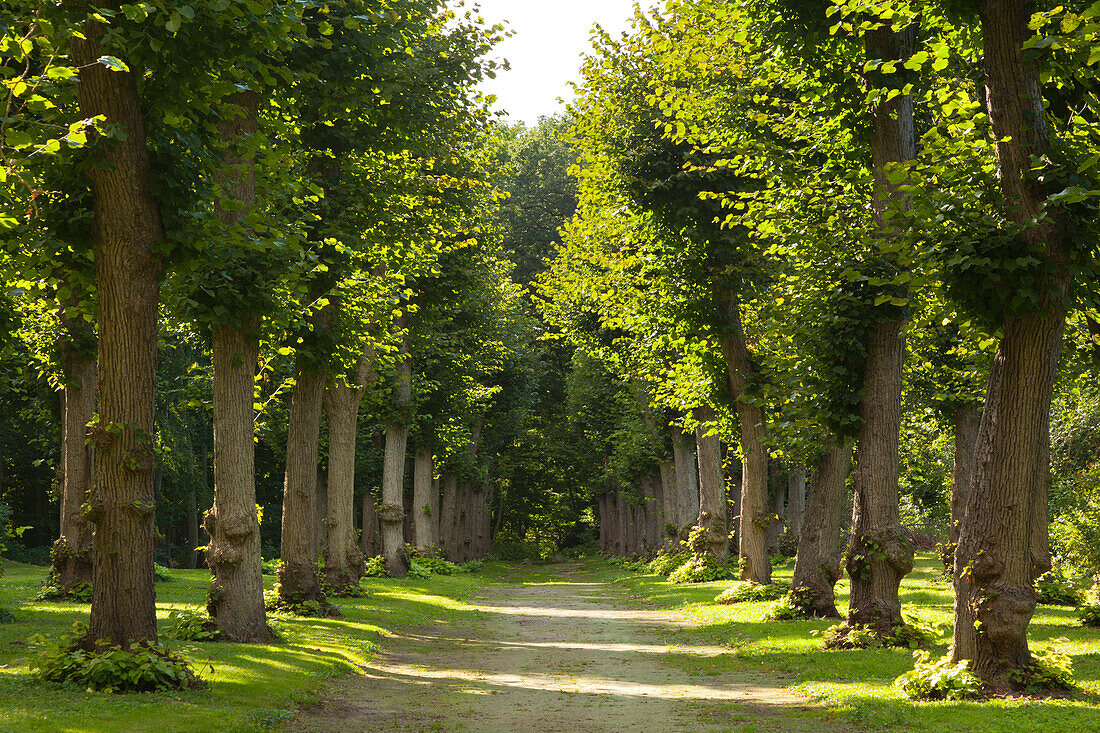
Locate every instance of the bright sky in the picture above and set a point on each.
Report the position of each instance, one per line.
(550, 37)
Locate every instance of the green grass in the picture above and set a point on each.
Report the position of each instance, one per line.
(251, 687)
(857, 686)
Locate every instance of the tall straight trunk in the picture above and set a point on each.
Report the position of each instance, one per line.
(995, 561)
(236, 598)
(343, 560)
(879, 554)
(448, 516)
(669, 508)
(817, 566)
(425, 501)
(464, 517)
(368, 537)
(752, 530)
(393, 469)
(777, 515)
(298, 576)
(601, 507)
(128, 229)
(712, 486)
(71, 556)
(735, 503)
(193, 540)
(796, 499)
(687, 481)
(967, 421)
(651, 490)
(612, 523)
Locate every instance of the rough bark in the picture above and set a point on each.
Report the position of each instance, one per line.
(879, 554)
(967, 421)
(995, 561)
(425, 501)
(669, 508)
(777, 517)
(651, 489)
(368, 536)
(71, 557)
(343, 559)
(817, 566)
(712, 486)
(128, 229)
(687, 482)
(752, 530)
(393, 470)
(796, 499)
(448, 515)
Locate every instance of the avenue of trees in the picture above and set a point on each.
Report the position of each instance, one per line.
(810, 279)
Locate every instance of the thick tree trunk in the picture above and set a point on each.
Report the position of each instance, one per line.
(687, 482)
(368, 537)
(796, 499)
(817, 566)
(777, 517)
(298, 577)
(967, 421)
(128, 229)
(997, 556)
(601, 507)
(343, 560)
(236, 599)
(712, 486)
(879, 554)
(425, 501)
(651, 489)
(393, 470)
(71, 557)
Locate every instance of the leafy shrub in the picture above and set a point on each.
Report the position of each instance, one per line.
(1049, 670)
(144, 667)
(783, 609)
(749, 592)
(471, 566)
(1055, 589)
(912, 634)
(161, 574)
(938, 679)
(665, 562)
(418, 571)
(375, 567)
(701, 569)
(7, 617)
(1089, 611)
(192, 626)
(514, 551)
(50, 591)
(916, 632)
(437, 566)
(272, 566)
(1075, 533)
(307, 608)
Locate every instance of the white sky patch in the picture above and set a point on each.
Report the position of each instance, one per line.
(545, 52)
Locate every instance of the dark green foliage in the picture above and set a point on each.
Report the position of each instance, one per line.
(146, 667)
(80, 593)
(7, 617)
(375, 567)
(784, 609)
(309, 609)
(666, 562)
(161, 574)
(1054, 588)
(701, 569)
(913, 633)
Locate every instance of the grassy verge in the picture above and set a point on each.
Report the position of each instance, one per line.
(857, 686)
(251, 687)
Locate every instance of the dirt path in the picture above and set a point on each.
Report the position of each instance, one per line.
(565, 655)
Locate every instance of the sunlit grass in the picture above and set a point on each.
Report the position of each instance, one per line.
(857, 686)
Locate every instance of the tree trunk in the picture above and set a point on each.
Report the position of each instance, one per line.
(995, 561)
(796, 499)
(651, 489)
(712, 486)
(967, 420)
(776, 514)
(368, 537)
(298, 577)
(879, 554)
(236, 599)
(128, 229)
(71, 557)
(425, 501)
(393, 471)
(193, 539)
(817, 566)
(343, 560)
(687, 482)
(752, 530)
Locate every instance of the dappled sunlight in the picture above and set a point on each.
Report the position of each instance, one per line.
(616, 614)
(692, 650)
